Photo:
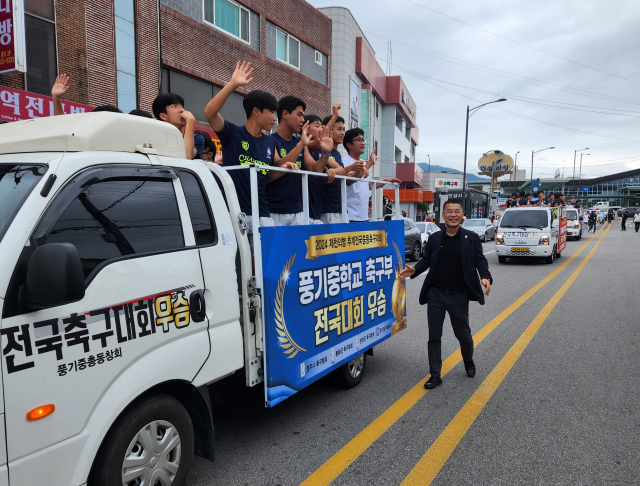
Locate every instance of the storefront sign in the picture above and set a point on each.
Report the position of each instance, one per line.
(331, 293)
(21, 105)
(408, 102)
(12, 40)
(452, 183)
(354, 104)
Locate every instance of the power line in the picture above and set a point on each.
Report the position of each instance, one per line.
(521, 43)
(524, 99)
(527, 117)
(488, 70)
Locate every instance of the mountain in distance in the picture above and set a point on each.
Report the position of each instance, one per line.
(438, 168)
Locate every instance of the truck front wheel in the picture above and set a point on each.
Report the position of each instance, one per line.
(151, 443)
(350, 374)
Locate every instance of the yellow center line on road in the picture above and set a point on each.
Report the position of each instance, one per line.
(437, 455)
(353, 449)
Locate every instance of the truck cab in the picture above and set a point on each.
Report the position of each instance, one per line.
(531, 232)
(127, 289)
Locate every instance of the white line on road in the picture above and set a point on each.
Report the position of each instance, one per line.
(487, 252)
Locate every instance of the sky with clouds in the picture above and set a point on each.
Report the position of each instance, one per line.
(447, 65)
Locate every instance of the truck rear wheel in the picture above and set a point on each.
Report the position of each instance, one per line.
(350, 374)
(150, 444)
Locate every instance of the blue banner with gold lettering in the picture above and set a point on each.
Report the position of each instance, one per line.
(331, 292)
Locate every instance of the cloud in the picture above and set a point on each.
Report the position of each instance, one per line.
(599, 34)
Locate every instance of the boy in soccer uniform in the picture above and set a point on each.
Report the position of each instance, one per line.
(247, 144)
(169, 107)
(319, 149)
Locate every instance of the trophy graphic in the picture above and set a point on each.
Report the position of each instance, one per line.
(398, 297)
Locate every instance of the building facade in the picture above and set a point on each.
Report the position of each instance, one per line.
(125, 52)
(381, 105)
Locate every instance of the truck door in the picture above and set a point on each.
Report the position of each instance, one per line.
(4, 472)
(132, 329)
(217, 245)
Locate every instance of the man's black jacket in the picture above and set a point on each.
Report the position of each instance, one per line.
(473, 263)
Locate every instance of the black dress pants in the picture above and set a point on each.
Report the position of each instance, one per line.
(457, 305)
(637, 226)
(623, 223)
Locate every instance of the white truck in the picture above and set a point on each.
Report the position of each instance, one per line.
(531, 231)
(126, 288)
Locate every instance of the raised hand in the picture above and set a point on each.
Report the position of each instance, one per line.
(305, 138)
(373, 158)
(242, 74)
(60, 87)
(335, 109)
(326, 142)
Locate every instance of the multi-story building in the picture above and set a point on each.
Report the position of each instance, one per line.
(124, 52)
(379, 104)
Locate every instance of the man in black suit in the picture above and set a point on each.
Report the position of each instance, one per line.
(454, 258)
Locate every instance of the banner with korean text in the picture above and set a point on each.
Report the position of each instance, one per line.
(12, 36)
(331, 292)
(16, 104)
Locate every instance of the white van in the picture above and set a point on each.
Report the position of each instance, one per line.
(574, 223)
(126, 288)
(531, 231)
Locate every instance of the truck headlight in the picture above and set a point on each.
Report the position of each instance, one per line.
(499, 240)
(544, 240)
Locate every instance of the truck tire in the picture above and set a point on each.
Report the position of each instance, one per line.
(350, 374)
(551, 257)
(158, 423)
(502, 259)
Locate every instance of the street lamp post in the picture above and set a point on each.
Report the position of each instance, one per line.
(580, 177)
(429, 162)
(532, 154)
(574, 165)
(466, 138)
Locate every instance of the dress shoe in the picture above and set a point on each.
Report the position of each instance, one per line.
(470, 367)
(433, 382)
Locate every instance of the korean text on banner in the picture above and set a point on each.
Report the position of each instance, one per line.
(21, 105)
(562, 229)
(331, 294)
(12, 39)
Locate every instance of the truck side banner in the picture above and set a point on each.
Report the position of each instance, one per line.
(562, 229)
(331, 293)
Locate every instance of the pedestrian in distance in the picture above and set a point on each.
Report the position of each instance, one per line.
(454, 258)
(592, 222)
(623, 220)
(636, 220)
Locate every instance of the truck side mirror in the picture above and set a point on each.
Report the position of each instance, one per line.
(54, 277)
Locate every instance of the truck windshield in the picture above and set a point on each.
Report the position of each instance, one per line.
(16, 183)
(572, 215)
(473, 222)
(523, 218)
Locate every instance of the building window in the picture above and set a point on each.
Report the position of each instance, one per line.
(125, 55)
(40, 28)
(318, 57)
(377, 110)
(287, 49)
(229, 17)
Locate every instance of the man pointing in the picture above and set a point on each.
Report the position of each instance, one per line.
(454, 258)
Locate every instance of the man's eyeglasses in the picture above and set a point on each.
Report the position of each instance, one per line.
(453, 211)
(358, 139)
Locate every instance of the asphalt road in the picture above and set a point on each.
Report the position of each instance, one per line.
(561, 407)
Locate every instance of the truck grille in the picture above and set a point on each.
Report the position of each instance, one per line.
(521, 253)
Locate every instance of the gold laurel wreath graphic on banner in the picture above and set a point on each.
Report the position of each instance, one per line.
(286, 341)
(398, 297)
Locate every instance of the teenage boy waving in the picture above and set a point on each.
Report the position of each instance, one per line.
(247, 144)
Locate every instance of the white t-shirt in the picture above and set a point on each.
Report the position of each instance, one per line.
(357, 196)
(636, 218)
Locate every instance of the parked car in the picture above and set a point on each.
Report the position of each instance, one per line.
(426, 230)
(412, 240)
(631, 211)
(482, 226)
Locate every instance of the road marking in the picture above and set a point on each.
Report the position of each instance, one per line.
(486, 253)
(342, 459)
(437, 455)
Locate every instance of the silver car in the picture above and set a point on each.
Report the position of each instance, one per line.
(483, 227)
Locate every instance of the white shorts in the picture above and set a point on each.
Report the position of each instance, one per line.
(286, 219)
(331, 218)
(249, 223)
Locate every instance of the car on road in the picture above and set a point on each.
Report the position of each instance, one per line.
(630, 211)
(531, 232)
(412, 240)
(483, 227)
(574, 223)
(426, 230)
